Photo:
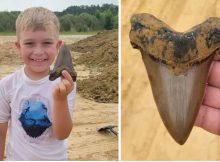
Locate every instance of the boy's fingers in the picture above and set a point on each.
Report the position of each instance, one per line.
(67, 84)
(67, 76)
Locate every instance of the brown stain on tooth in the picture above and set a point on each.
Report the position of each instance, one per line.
(177, 50)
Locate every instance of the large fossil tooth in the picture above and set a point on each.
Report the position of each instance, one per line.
(63, 62)
(177, 65)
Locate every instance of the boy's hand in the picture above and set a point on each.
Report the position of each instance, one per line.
(64, 87)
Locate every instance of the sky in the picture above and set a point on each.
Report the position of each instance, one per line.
(54, 5)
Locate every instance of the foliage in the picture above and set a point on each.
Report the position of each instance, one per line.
(7, 21)
(89, 18)
(74, 18)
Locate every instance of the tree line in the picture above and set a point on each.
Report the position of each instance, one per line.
(74, 19)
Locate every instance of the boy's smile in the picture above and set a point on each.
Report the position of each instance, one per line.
(38, 60)
(38, 50)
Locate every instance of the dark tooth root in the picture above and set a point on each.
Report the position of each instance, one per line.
(156, 38)
(177, 65)
(63, 62)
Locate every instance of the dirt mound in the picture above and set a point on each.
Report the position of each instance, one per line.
(9, 55)
(101, 88)
(101, 52)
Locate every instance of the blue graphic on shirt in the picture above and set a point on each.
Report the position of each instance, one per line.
(34, 118)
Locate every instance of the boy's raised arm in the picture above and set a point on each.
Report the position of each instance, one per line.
(62, 123)
(3, 132)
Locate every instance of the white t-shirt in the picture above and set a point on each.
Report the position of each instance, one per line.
(27, 104)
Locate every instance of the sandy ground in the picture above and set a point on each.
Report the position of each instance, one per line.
(85, 143)
(144, 136)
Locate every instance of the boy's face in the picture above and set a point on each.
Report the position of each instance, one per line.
(38, 50)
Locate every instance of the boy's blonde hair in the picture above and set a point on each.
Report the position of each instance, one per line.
(36, 18)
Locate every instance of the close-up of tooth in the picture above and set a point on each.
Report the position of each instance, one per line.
(177, 65)
(63, 62)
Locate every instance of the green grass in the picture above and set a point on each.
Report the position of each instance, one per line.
(7, 33)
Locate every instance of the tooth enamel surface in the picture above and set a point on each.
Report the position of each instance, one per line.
(177, 65)
(178, 98)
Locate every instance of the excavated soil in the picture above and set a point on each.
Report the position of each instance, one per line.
(99, 53)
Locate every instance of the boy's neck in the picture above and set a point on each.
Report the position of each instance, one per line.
(35, 75)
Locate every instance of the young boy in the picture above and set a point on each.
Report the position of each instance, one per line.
(39, 111)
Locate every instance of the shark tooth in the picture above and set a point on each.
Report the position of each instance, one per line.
(63, 62)
(177, 65)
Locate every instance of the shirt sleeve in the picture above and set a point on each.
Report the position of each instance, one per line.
(71, 101)
(5, 110)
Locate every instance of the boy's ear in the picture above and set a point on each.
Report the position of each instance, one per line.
(17, 44)
(59, 43)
